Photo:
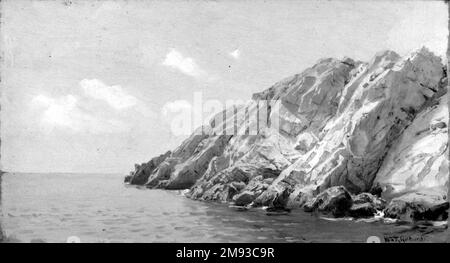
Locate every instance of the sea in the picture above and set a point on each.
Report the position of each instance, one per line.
(101, 208)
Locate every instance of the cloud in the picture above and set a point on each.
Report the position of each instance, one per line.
(186, 65)
(235, 54)
(63, 113)
(58, 112)
(175, 106)
(115, 96)
(83, 113)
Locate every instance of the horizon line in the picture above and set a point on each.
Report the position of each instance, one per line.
(25, 172)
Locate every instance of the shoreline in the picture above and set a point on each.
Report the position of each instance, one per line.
(377, 218)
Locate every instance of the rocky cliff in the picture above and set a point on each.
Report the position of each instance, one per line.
(343, 137)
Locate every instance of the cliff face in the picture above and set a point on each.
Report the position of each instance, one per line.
(378, 127)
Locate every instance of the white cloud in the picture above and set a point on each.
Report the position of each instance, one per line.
(115, 96)
(235, 54)
(57, 111)
(63, 113)
(83, 113)
(186, 65)
(176, 106)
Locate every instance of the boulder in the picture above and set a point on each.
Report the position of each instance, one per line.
(362, 210)
(366, 205)
(244, 198)
(219, 192)
(266, 198)
(404, 211)
(335, 200)
(437, 212)
(408, 211)
(367, 198)
(282, 198)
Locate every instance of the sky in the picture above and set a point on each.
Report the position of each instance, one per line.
(92, 86)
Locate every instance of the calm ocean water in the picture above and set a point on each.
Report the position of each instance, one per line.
(100, 208)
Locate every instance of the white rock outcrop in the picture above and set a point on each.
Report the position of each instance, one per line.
(379, 127)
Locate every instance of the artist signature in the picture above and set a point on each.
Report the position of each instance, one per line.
(396, 238)
(403, 238)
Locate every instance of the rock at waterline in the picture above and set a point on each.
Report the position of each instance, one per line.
(362, 210)
(366, 205)
(335, 200)
(339, 202)
(411, 212)
(244, 198)
(127, 179)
